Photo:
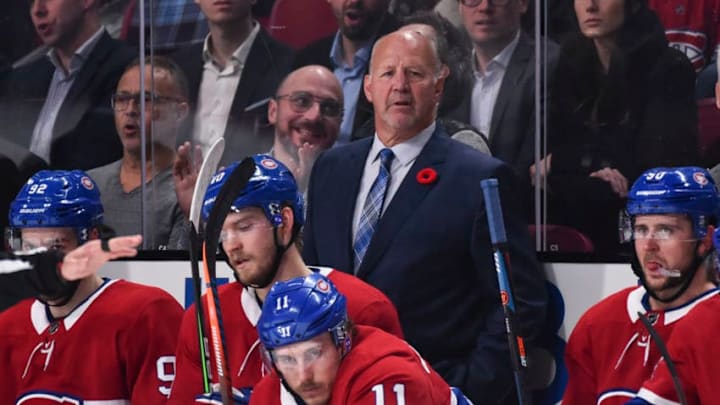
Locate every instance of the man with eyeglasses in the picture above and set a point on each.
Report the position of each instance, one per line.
(306, 113)
(82, 338)
(155, 128)
(671, 216)
(501, 102)
(259, 238)
(321, 357)
(58, 106)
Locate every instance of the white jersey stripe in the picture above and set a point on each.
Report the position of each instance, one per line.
(654, 398)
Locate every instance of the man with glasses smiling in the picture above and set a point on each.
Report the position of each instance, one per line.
(672, 213)
(259, 238)
(90, 340)
(306, 112)
(120, 182)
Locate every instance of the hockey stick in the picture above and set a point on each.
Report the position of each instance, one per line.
(501, 257)
(207, 169)
(666, 355)
(236, 181)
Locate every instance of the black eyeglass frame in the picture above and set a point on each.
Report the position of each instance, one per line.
(329, 107)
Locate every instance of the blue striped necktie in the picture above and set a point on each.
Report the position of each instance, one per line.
(372, 208)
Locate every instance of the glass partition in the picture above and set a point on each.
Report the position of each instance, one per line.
(597, 106)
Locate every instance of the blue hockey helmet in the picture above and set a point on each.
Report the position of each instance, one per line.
(58, 199)
(676, 190)
(299, 309)
(271, 187)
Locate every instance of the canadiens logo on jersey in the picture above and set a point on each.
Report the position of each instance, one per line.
(39, 358)
(691, 43)
(51, 398)
(48, 398)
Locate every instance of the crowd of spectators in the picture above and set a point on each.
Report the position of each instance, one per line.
(616, 95)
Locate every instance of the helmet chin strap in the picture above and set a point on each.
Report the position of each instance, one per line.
(685, 277)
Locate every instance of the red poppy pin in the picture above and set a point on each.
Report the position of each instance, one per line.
(427, 175)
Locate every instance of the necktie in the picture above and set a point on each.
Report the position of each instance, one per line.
(372, 208)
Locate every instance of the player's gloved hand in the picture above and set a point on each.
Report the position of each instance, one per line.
(460, 397)
(240, 397)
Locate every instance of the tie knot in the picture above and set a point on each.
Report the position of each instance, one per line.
(386, 156)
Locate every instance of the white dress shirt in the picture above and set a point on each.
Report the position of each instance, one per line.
(217, 91)
(487, 87)
(405, 155)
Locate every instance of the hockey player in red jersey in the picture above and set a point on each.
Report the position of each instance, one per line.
(320, 357)
(258, 237)
(695, 358)
(671, 217)
(91, 340)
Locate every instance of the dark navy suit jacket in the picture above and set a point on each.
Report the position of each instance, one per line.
(431, 255)
(84, 135)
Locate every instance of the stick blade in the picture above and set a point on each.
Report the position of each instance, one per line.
(208, 168)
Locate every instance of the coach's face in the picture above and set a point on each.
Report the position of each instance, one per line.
(404, 84)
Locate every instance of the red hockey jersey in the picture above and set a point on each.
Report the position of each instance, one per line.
(114, 348)
(241, 311)
(695, 352)
(380, 369)
(691, 26)
(610, 353)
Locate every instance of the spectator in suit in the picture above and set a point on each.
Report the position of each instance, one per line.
(398, 221)
(121, 182)
(232, 76)
(59, 105)
(501, 103)
(622, 102)
(347, 54)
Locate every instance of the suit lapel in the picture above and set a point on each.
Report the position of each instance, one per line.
(73, 107)
(509, 87)
(257, 65)
(406, 200)
(194, 65)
